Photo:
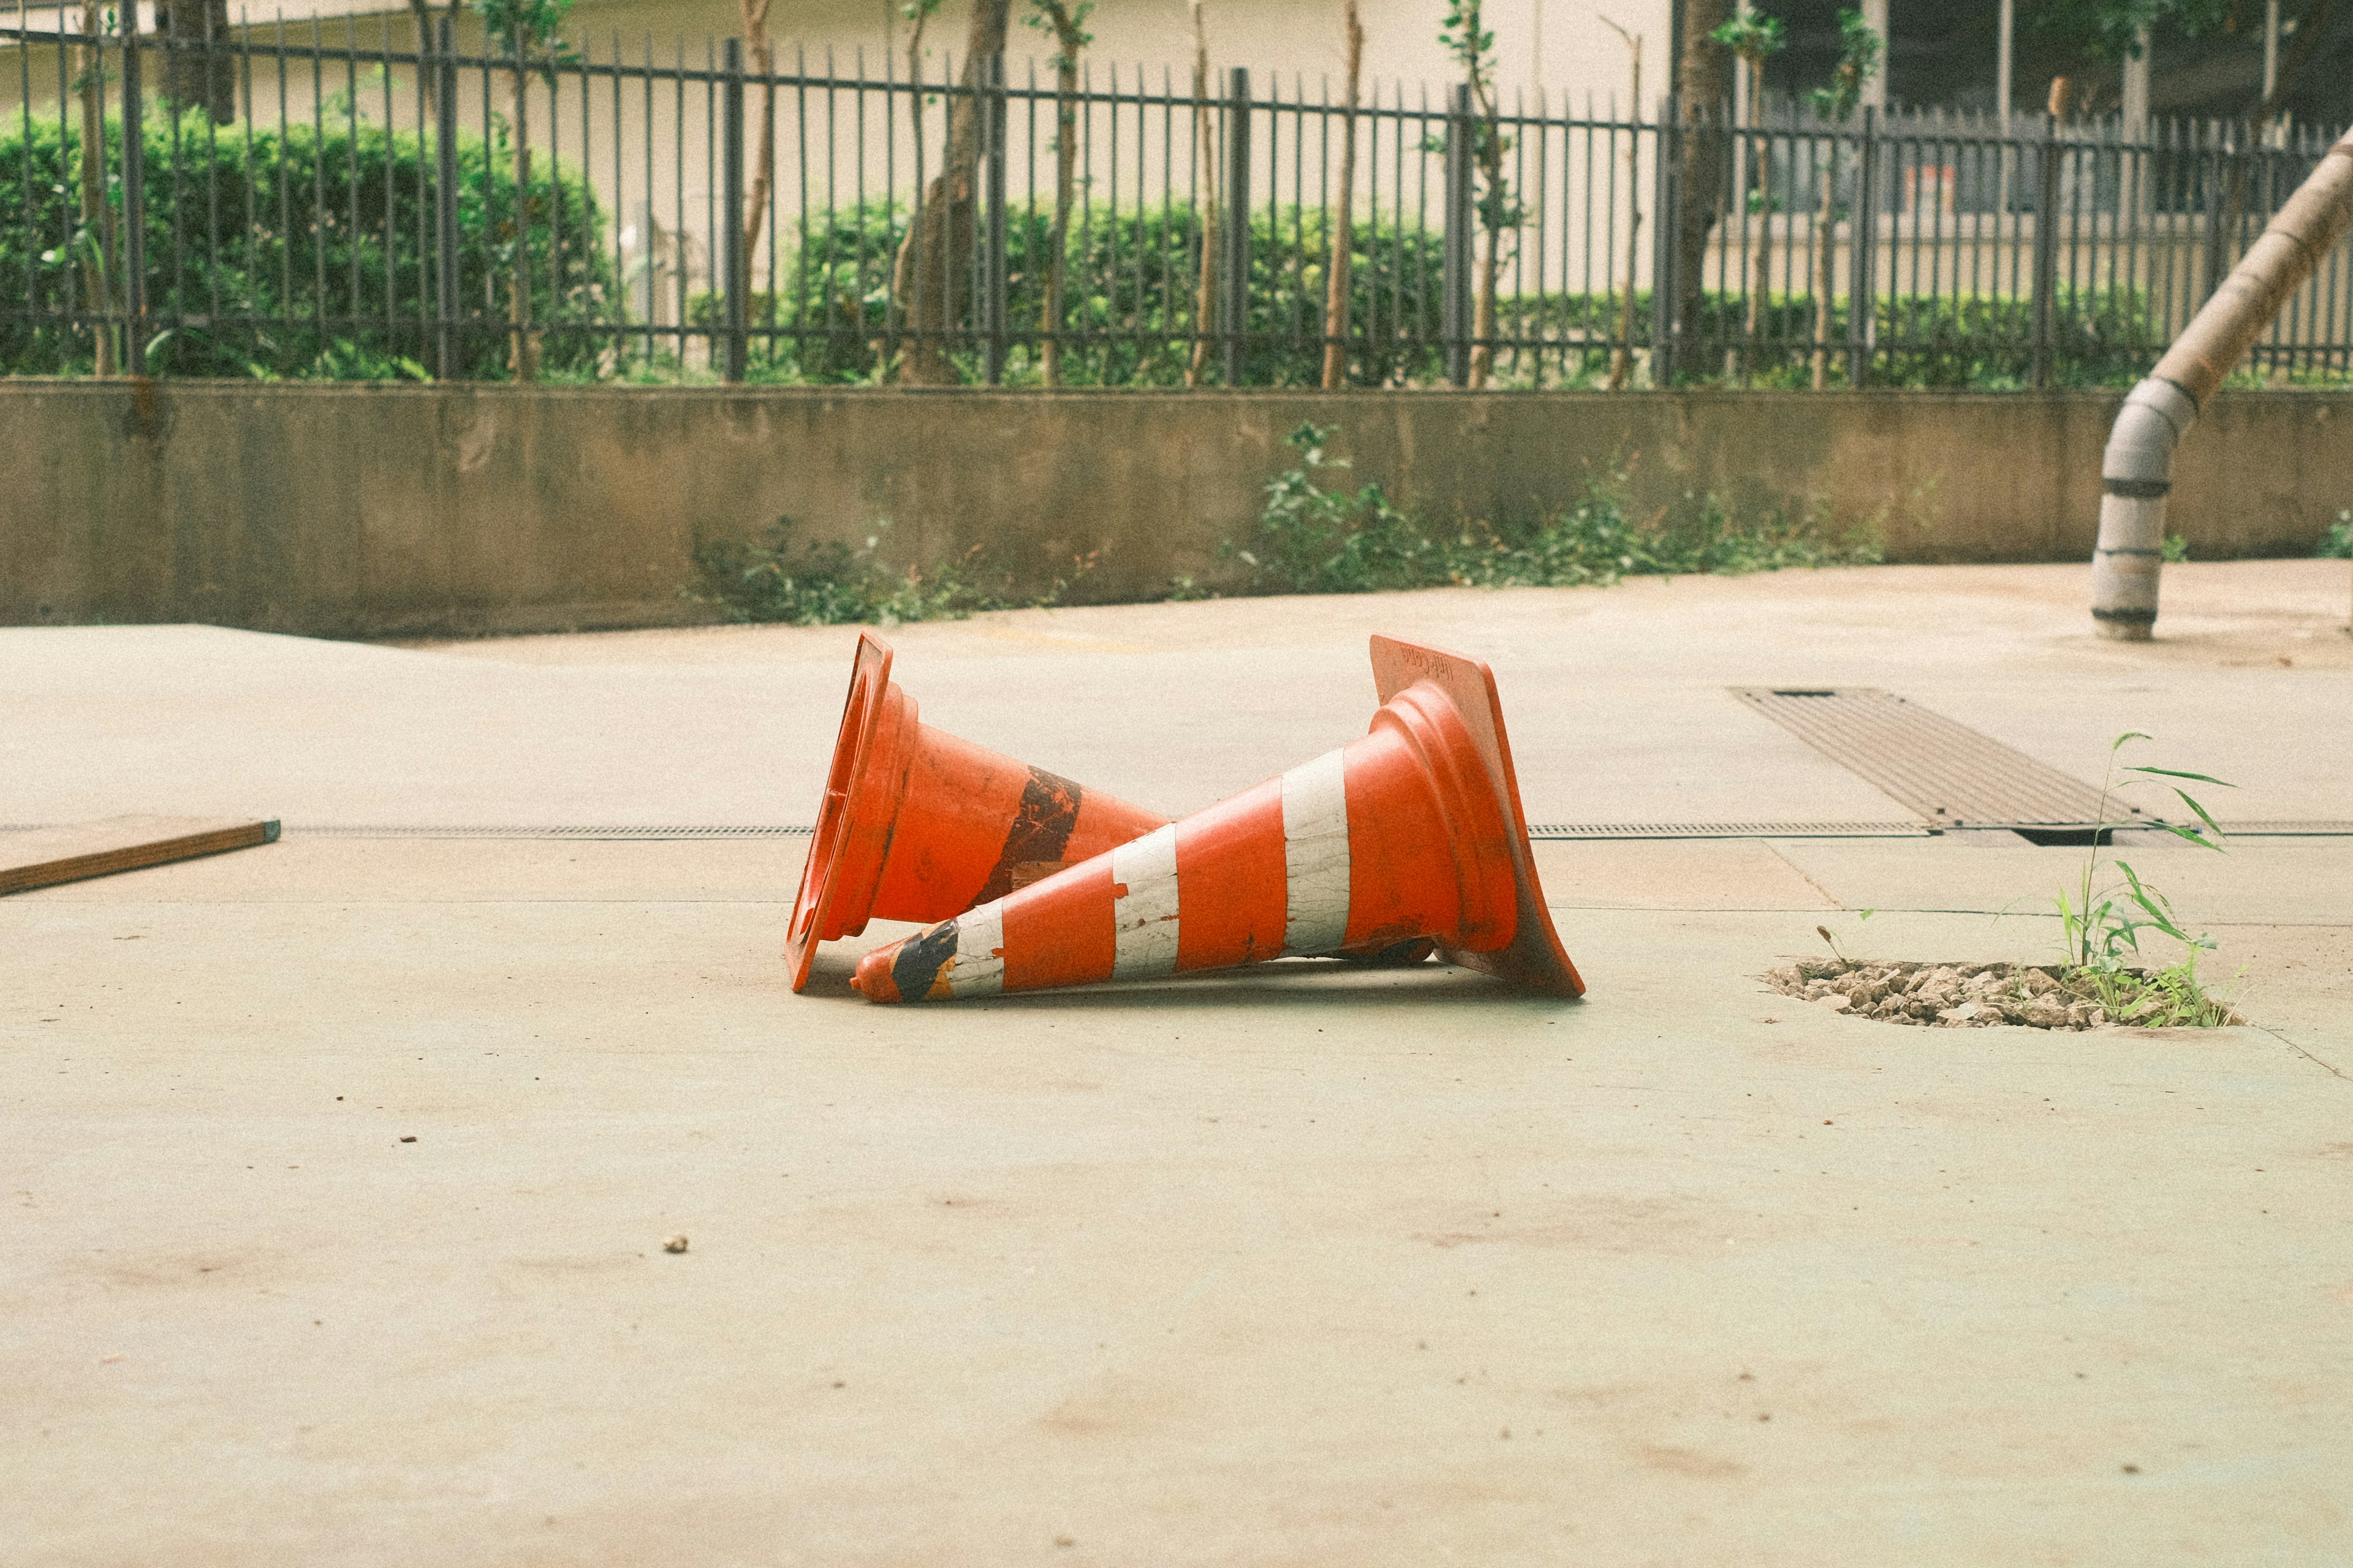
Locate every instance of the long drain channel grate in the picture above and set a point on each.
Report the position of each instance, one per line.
(1543, 831)
(1951, 776)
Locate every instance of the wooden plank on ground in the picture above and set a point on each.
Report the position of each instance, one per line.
(44, 856)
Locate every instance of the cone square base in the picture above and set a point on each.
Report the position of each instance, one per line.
(1535, 956)
(861, 715)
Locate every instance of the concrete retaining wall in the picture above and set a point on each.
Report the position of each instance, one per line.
(382, 511)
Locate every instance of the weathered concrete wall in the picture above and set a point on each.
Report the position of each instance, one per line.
(361, 511)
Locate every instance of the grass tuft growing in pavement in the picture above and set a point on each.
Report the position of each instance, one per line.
(1981, 996)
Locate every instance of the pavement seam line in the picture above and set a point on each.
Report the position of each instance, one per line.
(1835, 902)
(2307, 1056)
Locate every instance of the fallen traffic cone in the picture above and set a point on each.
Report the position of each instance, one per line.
(918, 826)
(1414, 832)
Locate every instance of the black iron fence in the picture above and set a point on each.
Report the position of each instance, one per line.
(281, 203)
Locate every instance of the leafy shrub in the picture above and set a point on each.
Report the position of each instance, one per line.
(290, 253)
(1920, 342)
(1129, 296)
(826, 583)
(1130, 301)
(1316, 537)
(2337, 545)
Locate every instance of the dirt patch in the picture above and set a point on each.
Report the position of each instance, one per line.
(1981, 996)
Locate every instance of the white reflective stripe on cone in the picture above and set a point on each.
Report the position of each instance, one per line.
(1315, 855)
(978, 967)
(1143, 906)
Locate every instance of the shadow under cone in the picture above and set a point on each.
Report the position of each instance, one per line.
(1413, 833)
(917, 824)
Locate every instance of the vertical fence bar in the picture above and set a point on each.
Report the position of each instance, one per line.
(1234, 307)
(1666, 226)
(24, 184)
(1454, 307)
(134, 205)
(731, 217)
(174, 79)
(2046, 247)
(100, 304)
(1862, 269)
(991, 108)
(444, 200)
(2214, 177)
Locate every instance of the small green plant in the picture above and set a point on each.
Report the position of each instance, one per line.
(2337, 545)
(2102, 922)
(1836, 951)
(778, 578)
(825, 583)
(1314, 536)
(2161, 999)
(2175, 548)
(1860, 49)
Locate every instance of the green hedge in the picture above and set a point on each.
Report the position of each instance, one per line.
(1132, 280)
(1130, 283)
(301, 186)
(1130, 286)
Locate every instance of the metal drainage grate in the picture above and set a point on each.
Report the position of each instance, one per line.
(2287, 830)
(1726, 831)
(310, 830)
(1950, 774)
(1561, 831)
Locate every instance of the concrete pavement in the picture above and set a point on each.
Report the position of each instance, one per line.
(1301, 1267)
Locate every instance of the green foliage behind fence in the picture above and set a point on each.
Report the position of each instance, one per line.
(324, 231)
(291, 250)
(1129, 297)
(1130, 308)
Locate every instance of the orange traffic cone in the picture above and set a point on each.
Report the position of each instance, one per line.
(918, 826)
(1414, 832)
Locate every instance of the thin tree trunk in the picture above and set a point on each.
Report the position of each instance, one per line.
(1068, 41)
(195, 76)
(915, 123)
(97, 218)
(764, 165)
(1825, 268)
(522, 349)
(1621, 360)
(1207, 176)
(1703, 91)
(2309, 31)
(1760, 278)
(938, 246)
(1489, 147)
(423, 11)
(1337, 281)
(1482, 311)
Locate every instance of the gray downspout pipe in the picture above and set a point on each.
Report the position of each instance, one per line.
(2137, 474)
